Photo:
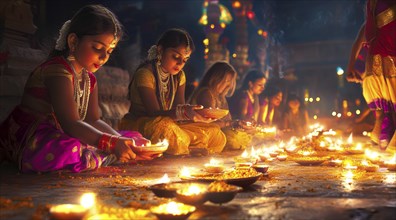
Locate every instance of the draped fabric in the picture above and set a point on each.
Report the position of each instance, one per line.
(36, 142)
(236, 138)
(252, 108)
(379, 80)
(183, 137)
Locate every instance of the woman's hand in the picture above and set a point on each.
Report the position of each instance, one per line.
(353, 75)
(123, 150)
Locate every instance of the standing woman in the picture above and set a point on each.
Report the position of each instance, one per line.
(157, 94)
(379, 80)
(57, 125)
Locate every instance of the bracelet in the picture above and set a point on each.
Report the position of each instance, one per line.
(181, 113)
(185, 113)
(107, 142)
(112, 143)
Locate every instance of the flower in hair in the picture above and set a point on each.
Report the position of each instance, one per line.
(61, 41)
(152, 53)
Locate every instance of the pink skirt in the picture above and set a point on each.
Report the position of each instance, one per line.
(36, 143)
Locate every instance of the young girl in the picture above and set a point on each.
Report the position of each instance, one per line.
(244, 104)
(157, 95)
(270, 100)
(295, 117)
(57, 125)
(219, 82)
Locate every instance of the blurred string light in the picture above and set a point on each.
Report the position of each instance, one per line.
(241, 6)
(224, 18)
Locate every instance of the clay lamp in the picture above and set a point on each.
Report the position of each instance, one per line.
(173, 211)
(73, 211)
(214, 166)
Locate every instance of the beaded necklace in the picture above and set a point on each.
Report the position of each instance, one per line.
(81, 96)
(163, 81)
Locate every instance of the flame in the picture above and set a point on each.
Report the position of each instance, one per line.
(87, 200)
(185, 172)
(245, 154)
(164, 179)
(393, 160)
(350, 139)
(193, 189)
(214, 162)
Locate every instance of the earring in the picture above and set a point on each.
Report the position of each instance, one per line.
(71, 57)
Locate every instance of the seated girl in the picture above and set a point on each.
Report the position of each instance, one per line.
(157, 95)
(295, 117)
(219, 82)
(244, 104)
(57, 125)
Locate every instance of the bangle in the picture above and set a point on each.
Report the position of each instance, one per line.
(185, 113)
(181, 113)
(112, 143)
(104, 142)
(107, 142)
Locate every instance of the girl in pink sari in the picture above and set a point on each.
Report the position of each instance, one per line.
(57, 125)
(379, 79)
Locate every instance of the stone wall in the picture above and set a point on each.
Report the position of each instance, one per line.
(113, 89)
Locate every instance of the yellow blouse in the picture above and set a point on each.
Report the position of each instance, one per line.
(144, 77)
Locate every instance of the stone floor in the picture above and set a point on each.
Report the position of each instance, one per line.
(287, 191)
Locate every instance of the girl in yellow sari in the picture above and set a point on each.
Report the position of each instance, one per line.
(157, 96)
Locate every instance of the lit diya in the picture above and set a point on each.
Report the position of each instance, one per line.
(68, 211)
(367, 166)
(193, 194)
(335, 162)
(214, 166)
(173, 210)
(243, 165)
(391, 164)
(358, 149)
(73, 211)
(281, 157)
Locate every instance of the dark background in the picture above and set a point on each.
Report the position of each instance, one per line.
(287, 22)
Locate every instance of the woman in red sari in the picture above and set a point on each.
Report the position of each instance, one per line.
(379, 79)
(57, 125)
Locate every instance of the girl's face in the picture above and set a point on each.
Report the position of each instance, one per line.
(174, 59)
(225, 84)
(258, 86)
(276, 99)
(91, 52)
(294, 104)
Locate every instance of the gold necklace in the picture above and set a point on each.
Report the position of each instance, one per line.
(164, 79)
(81, 96)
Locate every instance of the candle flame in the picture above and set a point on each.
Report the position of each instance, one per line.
(350, 139)
(164, 179)
(214, 162)
(87, 200)
(245, 154)
(185, 172)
